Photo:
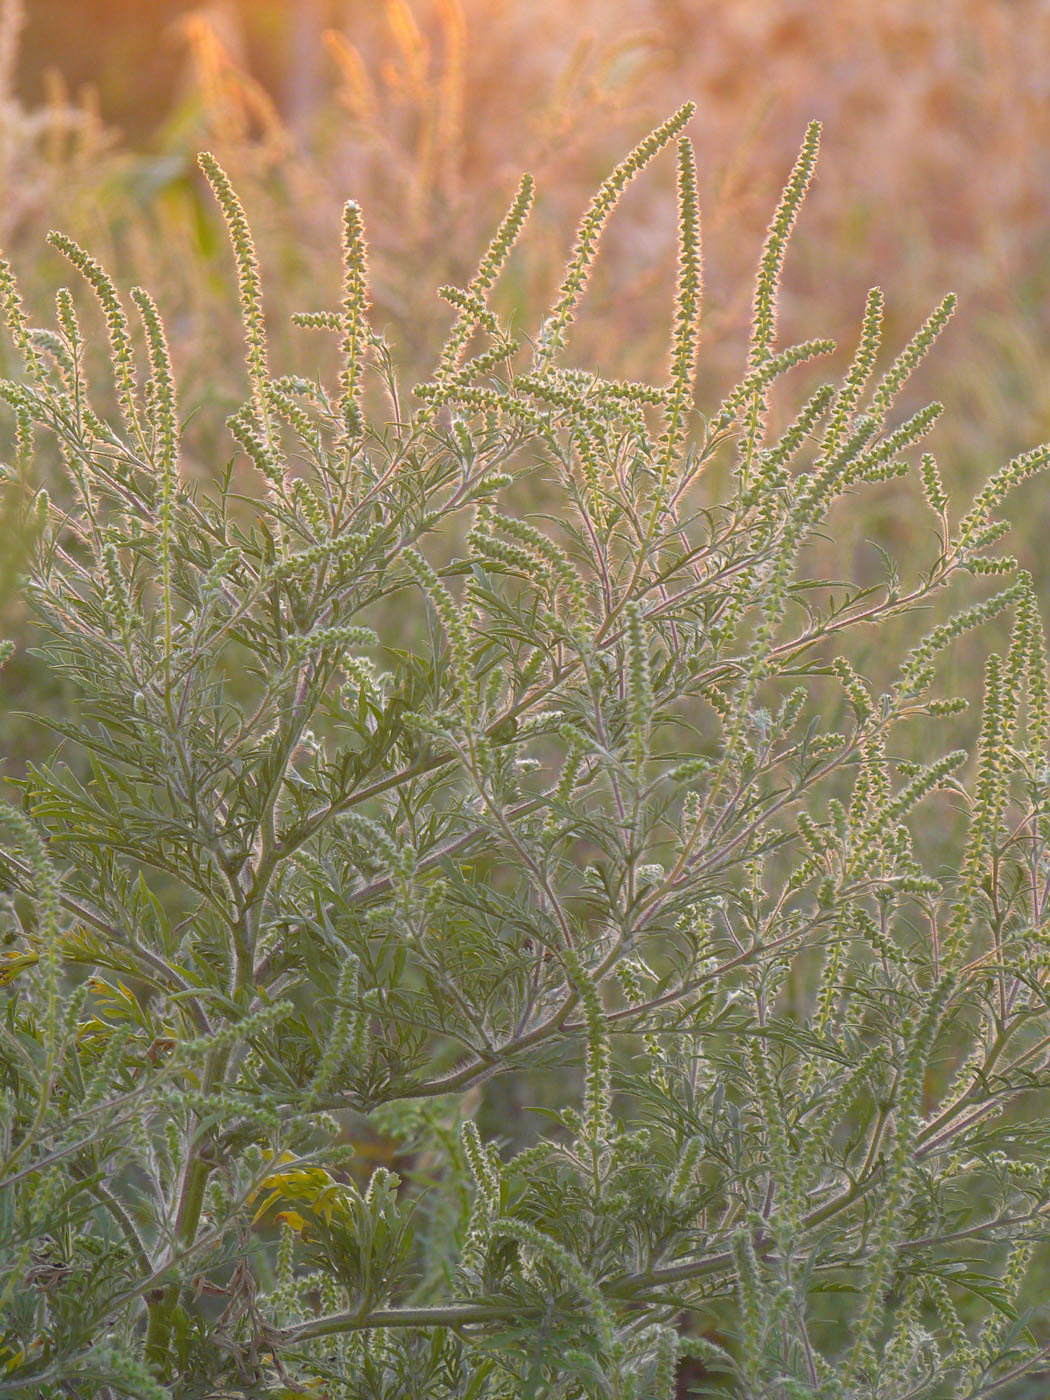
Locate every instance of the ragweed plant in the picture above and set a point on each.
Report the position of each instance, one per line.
(379, 789)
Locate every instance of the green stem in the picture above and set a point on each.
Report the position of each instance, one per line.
(162, 1307)
(451, 1315)
(187, 1221)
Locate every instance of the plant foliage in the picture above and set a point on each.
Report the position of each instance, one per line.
(384, 783)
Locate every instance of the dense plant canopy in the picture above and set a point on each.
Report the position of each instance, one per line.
(444, 738)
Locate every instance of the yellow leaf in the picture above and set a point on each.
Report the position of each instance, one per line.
(294, 1219)
(14, 963)
(15, 1361)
